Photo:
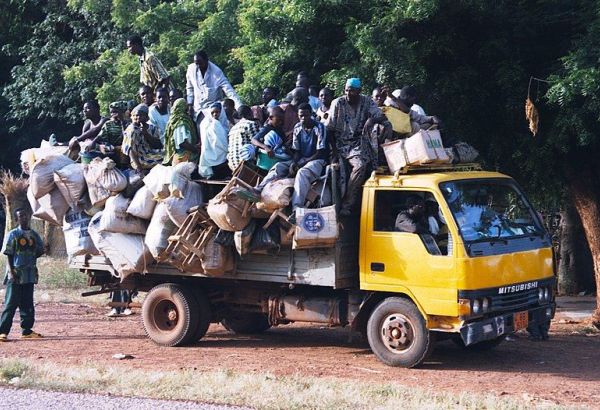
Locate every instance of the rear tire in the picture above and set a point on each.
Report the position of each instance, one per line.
(245, 323)
(398, 334)
(170, 315)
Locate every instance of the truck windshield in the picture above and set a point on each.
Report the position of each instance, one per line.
(490, 209)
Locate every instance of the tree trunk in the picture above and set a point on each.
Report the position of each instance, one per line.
(586, 201)
(575, 268)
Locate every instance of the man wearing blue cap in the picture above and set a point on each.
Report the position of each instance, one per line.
(351, 117)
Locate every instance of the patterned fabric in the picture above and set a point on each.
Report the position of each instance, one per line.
(239, 135)
(25, 246)
(181, 122)
(347, 126)
(308, 142)
(135, 142)
(151, 70)
(111, 133)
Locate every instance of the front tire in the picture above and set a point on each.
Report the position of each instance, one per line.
(170, 315)
(397, 333)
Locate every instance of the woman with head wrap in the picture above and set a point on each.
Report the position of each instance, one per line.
(180, 136)
(110, 138)
(142, 141)
(214, 142)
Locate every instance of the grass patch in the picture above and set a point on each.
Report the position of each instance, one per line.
(264, 391)
(12, 368)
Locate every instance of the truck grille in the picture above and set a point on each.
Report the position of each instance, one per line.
(514, 301)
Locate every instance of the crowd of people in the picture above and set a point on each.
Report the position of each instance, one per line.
(298, 135)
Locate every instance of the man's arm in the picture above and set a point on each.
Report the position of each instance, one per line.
(189, 89)
(228, 89)
(159, 70)
(9, 251)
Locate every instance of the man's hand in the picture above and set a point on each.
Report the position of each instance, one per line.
(270, 152)
(293, 169)
(368, 126)
(12, 275)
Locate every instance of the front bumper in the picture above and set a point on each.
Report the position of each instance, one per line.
(493, 327)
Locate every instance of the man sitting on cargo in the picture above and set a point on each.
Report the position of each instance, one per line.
(413, 219)
(351, 118)
(240, 135)
(379, 95)
(290, 112)
(310, 154)
(159, 112)
(142, 141)
(404, 100)
(325, 97)
(274, 124)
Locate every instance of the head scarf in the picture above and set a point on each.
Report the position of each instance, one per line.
(140, 108)
(179, 116)
(216, 105)
(120, 106)
(353, 82)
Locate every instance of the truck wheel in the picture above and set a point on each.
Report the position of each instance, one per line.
(204, 315)
(170, 315)
(481, 346)
(245, 323)
(397, 333)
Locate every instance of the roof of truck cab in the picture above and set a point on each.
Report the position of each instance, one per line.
(429, 180)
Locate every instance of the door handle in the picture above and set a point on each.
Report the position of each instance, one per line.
(377, 267)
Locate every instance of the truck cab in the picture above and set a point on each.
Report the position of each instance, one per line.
(487, 272)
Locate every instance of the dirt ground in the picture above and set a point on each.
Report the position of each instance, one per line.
(563, 369)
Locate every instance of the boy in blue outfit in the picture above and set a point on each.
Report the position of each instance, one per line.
(23, 247)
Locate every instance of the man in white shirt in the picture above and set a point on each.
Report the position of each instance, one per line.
(205, 85)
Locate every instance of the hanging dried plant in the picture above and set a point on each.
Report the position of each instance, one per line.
(532, 115)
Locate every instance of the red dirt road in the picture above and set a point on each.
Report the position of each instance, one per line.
(563, 370)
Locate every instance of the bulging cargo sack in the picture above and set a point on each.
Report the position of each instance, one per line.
(127, 253)
(276, 195)
(216, 259)
(32, 155)
(315, 228)
(103, 180)
(464, 152)
(116, 219)
(159, 230)
(181, 175)
(142, 205)
(242, 239)
(177, 207)
(158, 181)
(71, 183)
(228, 215)
(77, 237)
(52, 207)
(41, 179)
(424, 147)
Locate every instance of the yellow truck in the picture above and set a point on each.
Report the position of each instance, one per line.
(484, 270)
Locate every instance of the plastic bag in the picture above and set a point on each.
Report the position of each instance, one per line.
(142, 205)
(116, 219)
(41, 179)
(465, 152)
(224, 238)
(77, 237)
(127, 253)
(276, 195)
(177, 207)
(158, 181)
(134, 183)
(266, 240)
(71, 183)
(159, 230)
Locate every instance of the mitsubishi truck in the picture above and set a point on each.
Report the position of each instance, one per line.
(487, 273)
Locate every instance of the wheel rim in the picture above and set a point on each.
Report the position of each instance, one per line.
(397, 333)
(165, 315)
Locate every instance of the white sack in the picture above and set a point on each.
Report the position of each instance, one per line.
(182, 173)
(158, 181)
(159, 230)
(30, 156)
(127, 253)
(51, 207)
(103, 180)
(177, 207)
(142, 205)
(116, 219)
(71, 183)
(41, 180)
(77, 237)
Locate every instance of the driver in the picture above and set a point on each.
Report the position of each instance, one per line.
(413, 219)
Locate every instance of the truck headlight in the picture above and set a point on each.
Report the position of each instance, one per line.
(541, 295)
(485, 304)
(476, 307)
(546, 294)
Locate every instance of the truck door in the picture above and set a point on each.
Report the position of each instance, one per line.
(395, 261)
